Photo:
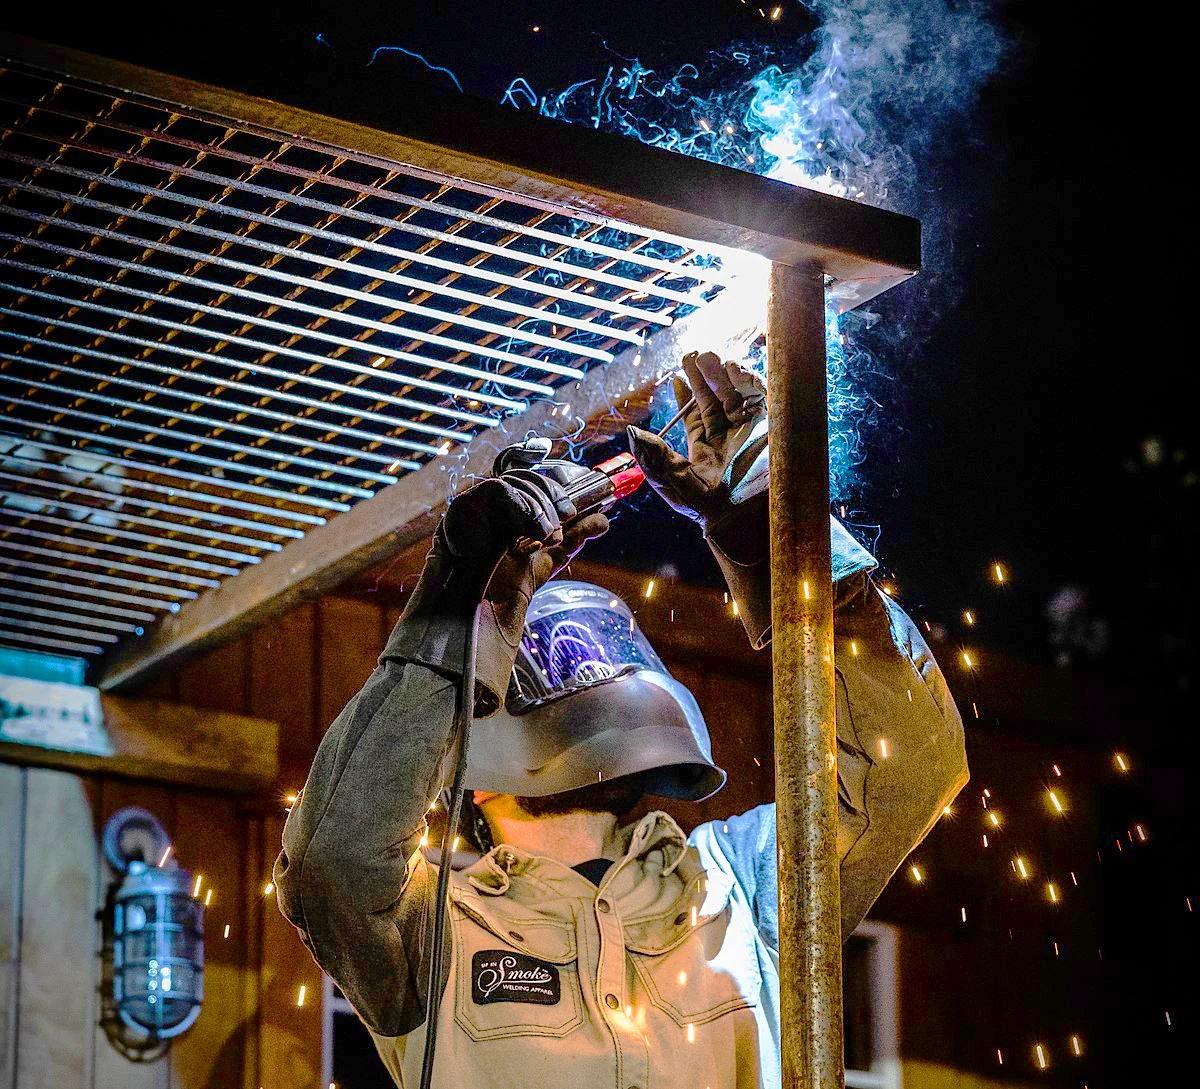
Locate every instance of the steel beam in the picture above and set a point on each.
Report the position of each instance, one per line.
(810, 920)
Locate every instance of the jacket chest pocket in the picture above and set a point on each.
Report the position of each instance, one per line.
(514, 976)
(712, 972)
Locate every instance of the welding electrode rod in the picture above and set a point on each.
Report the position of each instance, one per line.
(810, 925)
(684, 409)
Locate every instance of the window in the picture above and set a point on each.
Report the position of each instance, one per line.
(869, 1005)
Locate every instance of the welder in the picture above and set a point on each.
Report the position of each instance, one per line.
(580, 950)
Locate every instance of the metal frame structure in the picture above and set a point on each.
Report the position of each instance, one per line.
(250, 345)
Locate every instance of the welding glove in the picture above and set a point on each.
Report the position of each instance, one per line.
(498, 542)
(722, 483)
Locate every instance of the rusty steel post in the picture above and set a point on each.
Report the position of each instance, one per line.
(810, 928)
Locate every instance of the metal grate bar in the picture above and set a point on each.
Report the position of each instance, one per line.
(161, 136)
(115, 565)
(131, 535)
(56, 614)
(86, 453)
(107, 608)
(45, 641)
(108, 580)
(705, 274)
(150, 504)
(291, 330)
(176, 416)
(646, 287)
(236, 383)
(332, 263)
(220, 444)
(400, 402)
(187, 455)
(343, 316)
(98, 592)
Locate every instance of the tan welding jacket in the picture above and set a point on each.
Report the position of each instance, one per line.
(663, 977)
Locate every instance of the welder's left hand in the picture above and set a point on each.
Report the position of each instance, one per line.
(726, 433)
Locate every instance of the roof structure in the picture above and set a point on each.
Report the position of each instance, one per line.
(248, 347)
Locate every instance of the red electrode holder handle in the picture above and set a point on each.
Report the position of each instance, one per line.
(606, 484)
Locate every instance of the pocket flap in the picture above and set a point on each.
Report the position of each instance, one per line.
(520, 927)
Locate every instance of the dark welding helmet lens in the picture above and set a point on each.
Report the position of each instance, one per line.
(576, 635)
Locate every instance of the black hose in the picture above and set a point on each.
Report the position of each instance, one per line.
(464, 714)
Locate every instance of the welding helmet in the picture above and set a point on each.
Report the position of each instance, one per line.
(589, 701)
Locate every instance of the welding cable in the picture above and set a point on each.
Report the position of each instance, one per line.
(464, 717)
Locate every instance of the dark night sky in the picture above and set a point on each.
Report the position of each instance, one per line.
(1027, 366)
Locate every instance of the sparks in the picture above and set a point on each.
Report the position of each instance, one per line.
(917, 876)
(1122, 763)
(300, 995)
(807, 591)
(854, 647)
(969, 618)
(226, 934)
(964, 914)
(985, 839)
(649, 589)
(1042, 1060)
(1054, 801)
(691, 1033)
(999, 1056)
(1076, 1045)
(994, 817)
(162, 859)
(883, 748)
(1000, 574)
(1141, 832)
(208, 897)
(1019, 864)
(196, 886)
(947, 811)
(268, 888)
(694, 914)
(776, 13)
(1052, 892)
(967, 660)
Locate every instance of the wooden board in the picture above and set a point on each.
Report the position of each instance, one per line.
(174, 743)
(209, 837)
(58, 935)
(12, 820)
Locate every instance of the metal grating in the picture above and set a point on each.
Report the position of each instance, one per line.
(214, 337)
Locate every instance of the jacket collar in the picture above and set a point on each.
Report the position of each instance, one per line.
(658, 888)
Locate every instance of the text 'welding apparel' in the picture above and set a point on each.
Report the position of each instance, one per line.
(590, 701)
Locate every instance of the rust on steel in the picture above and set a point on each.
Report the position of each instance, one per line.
(810, 926)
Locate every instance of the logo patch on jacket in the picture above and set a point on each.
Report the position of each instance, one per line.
(500, 975)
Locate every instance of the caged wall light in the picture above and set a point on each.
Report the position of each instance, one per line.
(153, 951)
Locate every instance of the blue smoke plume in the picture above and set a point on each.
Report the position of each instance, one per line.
(858, 109)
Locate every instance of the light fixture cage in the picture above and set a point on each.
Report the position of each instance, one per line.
(153, 939)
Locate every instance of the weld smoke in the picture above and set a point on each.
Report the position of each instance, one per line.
(865, 107)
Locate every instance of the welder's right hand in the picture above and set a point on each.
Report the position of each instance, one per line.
(498, 542)
(726, 434)
(519, 518)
